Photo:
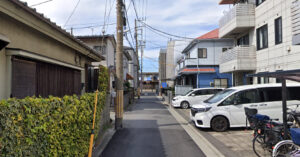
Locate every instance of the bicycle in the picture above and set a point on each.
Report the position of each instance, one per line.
(290, 147)
(266, 132)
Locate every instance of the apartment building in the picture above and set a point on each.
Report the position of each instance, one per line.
(174, 49)
(199, 64)
(162, 68)
(265, 33)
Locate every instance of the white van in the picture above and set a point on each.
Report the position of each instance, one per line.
(226, 109)
(194, 96)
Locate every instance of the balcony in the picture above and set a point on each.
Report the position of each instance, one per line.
(295, 12)
(238, 20)
(240, 58)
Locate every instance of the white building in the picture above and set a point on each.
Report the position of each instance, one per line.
(199, 65)
(263, 31)
(132, 65)
(174, 49)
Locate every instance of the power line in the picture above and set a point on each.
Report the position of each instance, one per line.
(40, 3)
(150, 27)
(128, 23)
(134, 7)
(72, 13)
(91, 26)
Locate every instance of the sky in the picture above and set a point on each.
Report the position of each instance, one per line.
(186, 18)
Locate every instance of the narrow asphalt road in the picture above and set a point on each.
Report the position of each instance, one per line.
(151, 131)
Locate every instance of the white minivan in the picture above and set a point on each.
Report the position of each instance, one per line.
(194, 96)
(226, 109)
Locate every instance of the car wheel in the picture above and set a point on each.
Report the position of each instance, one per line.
(219, 124)
(185, 105)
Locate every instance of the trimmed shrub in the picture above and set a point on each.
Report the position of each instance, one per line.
(48, 126)
(36, 126)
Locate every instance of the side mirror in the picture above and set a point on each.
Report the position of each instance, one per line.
(192, 94)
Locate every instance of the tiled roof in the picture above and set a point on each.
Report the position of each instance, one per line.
(214, 34)
(40, 16)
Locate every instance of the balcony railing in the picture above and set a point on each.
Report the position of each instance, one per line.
(239, 18)
(295, 13)
(240, 58)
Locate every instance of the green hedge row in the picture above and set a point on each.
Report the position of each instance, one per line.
(48, 126)
(52, 126)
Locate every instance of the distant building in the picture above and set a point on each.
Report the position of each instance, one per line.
(162, 68)
(133, 67)
(199, 65)
(39, 58)
(150, 81)
(174, 49)
(106, 46)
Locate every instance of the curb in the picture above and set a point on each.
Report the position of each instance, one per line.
(106, 138)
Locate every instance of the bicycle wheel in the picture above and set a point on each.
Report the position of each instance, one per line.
(284, 148)
(259, 146)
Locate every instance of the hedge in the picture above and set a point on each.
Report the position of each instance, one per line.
(53, 126)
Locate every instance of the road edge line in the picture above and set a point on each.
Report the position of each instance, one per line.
(206, 147)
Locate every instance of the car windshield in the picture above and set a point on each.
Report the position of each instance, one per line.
(219, 96)
(188, 92)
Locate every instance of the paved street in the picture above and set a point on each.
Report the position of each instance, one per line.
(151, 131)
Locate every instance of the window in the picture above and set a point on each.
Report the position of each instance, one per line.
(258, 2)
(293, 93)
(278, 31)
(244, 40)
(246, 97)
(202, 53)
(270, 94)
(262, 37)
(101, 49)
(224, 49)
(221, 83)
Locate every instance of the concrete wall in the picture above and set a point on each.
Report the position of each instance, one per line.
(174, 49)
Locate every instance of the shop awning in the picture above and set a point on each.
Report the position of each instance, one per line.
(4, 41)
(195, 70)
(293, 75)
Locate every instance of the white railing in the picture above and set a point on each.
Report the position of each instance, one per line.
(295, 13)
(239, 52)
(240, 9)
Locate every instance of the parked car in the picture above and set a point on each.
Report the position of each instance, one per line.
(194, 96)
(226, 109)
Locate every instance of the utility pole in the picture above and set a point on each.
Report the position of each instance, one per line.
(137, 54)
(119, 67)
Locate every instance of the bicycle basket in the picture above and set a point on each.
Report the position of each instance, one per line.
(295, 133)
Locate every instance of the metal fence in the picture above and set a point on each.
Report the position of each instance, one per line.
(182, 89)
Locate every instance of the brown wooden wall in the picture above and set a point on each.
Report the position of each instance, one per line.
(43, 79)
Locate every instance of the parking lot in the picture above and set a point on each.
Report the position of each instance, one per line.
(232, 143)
